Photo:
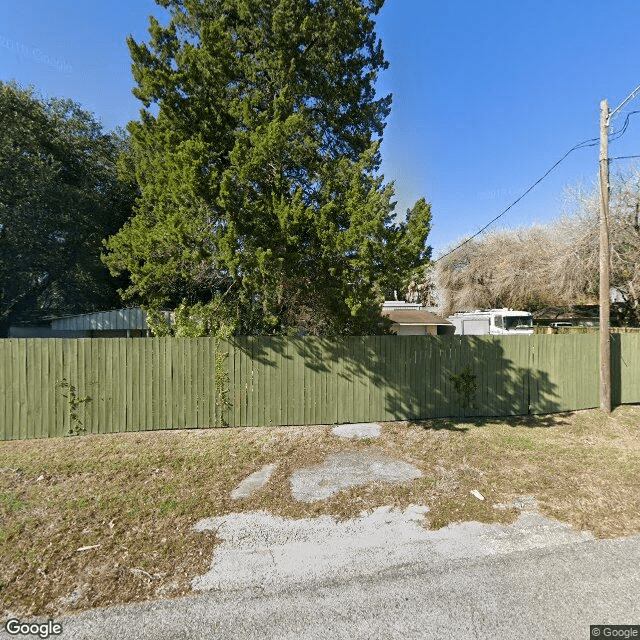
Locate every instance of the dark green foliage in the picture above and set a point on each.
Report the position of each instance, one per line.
(59, 198)
(466, 387)
(256, 155)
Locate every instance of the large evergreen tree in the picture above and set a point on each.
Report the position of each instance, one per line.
(60, 197)
(257, 153)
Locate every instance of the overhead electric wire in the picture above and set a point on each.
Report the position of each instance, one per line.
(591, 142)
(623, 158)
(619, 134)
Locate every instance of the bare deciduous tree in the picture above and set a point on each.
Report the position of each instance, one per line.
(551, 265)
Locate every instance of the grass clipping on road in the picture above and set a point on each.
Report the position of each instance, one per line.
(107, 519)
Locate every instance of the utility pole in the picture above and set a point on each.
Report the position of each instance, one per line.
(605, 262)
(605, 259)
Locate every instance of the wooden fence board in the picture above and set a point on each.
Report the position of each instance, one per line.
(192, 376)
(629, 368)
(104, 357)
(376, 386)
(58, 374)
(33, 381)
(147, 381)
(19, 374)
(5, 396)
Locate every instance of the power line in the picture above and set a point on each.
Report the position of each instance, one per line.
(620, 133)
(623, 158)
(631, 96)
(591, 142)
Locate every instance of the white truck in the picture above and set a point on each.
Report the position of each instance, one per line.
(492, 322)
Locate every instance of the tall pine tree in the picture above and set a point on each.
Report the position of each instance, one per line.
(257, 157)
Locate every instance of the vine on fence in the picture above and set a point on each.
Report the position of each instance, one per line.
(222, 388)
(466, 387)
(76, 427)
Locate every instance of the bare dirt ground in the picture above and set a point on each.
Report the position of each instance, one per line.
(98, 520)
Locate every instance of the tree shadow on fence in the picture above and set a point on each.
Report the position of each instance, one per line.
(380, 378)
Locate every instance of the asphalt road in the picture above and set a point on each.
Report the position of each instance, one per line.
(534, 580)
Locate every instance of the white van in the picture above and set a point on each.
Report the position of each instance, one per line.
(493, 322)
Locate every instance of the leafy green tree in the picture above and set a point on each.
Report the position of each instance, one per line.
(59, 198)
(256, 155)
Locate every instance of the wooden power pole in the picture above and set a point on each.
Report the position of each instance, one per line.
(605, 262)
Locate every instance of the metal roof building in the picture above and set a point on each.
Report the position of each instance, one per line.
(114, 323)
(114, 320)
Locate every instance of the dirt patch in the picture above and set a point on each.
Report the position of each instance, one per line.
(130, 501)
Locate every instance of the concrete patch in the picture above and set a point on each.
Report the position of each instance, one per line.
(358, 430)
(260, 549)
(345, 470)
(269, 552)
(530, 531)
(253, 482)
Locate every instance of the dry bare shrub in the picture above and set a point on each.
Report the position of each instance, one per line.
(552, 265)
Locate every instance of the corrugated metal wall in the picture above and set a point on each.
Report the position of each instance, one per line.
(115, 319)
(169, 383)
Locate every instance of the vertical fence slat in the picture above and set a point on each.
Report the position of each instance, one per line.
(234, 387)
(19, 372)
(361, 407)
(33, 381)
(138, 384)
(327, 409)
(131, 374)
(46, 391)
(79, 381)
(256, 376)
(208, 386)
(287, 391)
(200, 378)
(189, 395)
(74, 379)
(319, 383)
(237, 375)
(147, 347)
(194, 381)
(375, 400)
(5, 396)
(244, 390)
(14, 394)
(105, 387)
(181, 399)
(166, 354)
(61, 406)
(121, 384)
(438, 376)
(109, 405)
(96, 380)
(250, 369)
(368, 415)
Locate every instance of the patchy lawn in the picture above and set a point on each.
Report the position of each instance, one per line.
(99, 520)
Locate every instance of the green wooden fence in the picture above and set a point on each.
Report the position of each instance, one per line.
(53, 386)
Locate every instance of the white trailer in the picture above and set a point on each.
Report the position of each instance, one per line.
(492, 322)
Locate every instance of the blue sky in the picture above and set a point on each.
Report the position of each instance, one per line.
(487, 94)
